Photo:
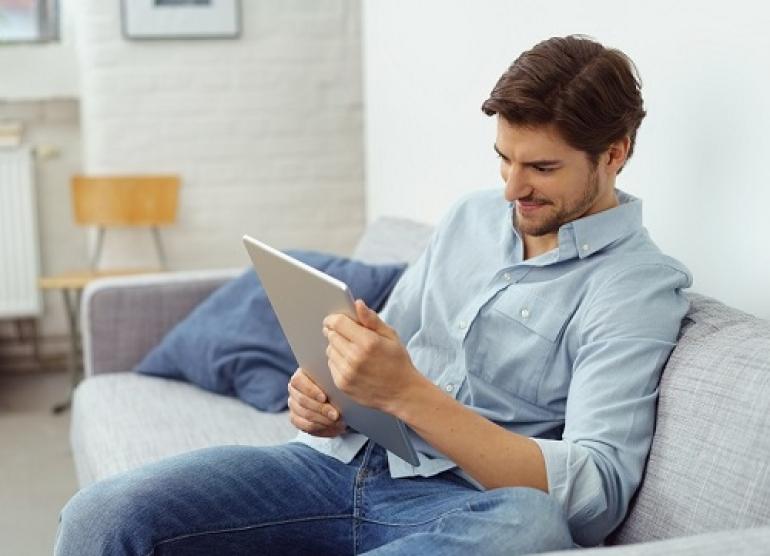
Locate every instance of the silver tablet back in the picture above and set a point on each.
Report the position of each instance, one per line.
(302, 297)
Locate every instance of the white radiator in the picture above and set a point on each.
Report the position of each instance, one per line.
(19, 251)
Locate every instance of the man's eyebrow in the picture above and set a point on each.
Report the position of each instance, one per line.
(532, 162)
(543, 163)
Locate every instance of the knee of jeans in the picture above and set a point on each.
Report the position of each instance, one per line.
(100, 519)
(534, 515)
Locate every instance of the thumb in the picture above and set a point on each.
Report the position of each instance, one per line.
(370, 319)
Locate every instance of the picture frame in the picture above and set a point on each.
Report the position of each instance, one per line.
(31, 21)
(181, 19)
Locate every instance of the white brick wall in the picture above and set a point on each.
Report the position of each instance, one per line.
(266, 130)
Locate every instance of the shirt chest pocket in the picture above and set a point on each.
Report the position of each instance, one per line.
(517, 334)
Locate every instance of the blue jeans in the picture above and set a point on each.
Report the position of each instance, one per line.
(291, 499)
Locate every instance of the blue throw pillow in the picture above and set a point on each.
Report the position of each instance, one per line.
(232, 343)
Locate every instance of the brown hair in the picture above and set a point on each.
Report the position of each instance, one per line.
(591, 94)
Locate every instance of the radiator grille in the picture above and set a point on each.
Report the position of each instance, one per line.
(19, 250)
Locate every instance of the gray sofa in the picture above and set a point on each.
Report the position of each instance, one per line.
(706, 488)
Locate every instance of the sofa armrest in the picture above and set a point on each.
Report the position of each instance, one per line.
(124, 317)
(736, 542)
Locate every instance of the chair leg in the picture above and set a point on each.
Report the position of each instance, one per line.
(20, 333)
(159, 248)
(27, 332)
(72, 306)
(34, 325)
(97, 248)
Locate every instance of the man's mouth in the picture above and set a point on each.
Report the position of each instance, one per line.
(527, 207)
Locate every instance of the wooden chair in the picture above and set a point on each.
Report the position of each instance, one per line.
(108, 202)
(125, 201)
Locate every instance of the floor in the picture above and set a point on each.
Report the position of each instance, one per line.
(37, 475)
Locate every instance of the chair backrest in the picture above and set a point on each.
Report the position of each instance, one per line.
(137, 200)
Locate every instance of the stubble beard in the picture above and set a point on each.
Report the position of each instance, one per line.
(549, 221)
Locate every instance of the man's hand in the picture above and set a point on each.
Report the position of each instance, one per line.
(369, 363)
(367, 360)
(309, 410)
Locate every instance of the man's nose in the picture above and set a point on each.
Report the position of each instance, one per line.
(516, 186)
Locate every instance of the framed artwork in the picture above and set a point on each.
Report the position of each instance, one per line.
(29, 21)
(181, 19)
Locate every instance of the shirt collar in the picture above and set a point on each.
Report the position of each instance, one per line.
(595, 232)
(585, 236)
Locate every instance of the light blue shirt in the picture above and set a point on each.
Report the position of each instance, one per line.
(566, 348)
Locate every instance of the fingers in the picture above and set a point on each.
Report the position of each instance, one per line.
(348, 328)
(370, 328)
(313, 423)
(310, 409)
(318, 430)
(309, 414)
(366, 316)
(304, 384)
(341, 345)
(340, 374)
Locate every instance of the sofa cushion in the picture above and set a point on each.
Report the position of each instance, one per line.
(709, 466)
(232, 343)
(392, 240)
(121, 421)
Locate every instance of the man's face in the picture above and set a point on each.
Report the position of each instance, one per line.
(550, 182)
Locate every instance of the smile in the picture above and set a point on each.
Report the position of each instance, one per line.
(527, 208)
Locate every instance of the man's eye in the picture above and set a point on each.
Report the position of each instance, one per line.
(544, 169)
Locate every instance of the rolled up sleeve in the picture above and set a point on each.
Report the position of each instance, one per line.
(627, 332)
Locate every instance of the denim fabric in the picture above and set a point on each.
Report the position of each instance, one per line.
(291, 499)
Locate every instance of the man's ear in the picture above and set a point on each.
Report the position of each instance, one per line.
(617, 154)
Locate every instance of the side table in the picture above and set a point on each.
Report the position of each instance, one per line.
(71, 285)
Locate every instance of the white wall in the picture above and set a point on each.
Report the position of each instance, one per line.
(701, 159)
(53, 123)
(266, 130)
(41, 70)
(39, 87)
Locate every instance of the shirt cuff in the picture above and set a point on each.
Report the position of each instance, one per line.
(575, 481)
(343, 448)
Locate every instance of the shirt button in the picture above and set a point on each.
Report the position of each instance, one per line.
(525, 313)
(585, 247)
(507, 276)
(462, 325)
(449, 387)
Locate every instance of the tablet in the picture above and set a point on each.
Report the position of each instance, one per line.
(302, 297)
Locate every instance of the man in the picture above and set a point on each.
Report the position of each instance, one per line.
(523, 350)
